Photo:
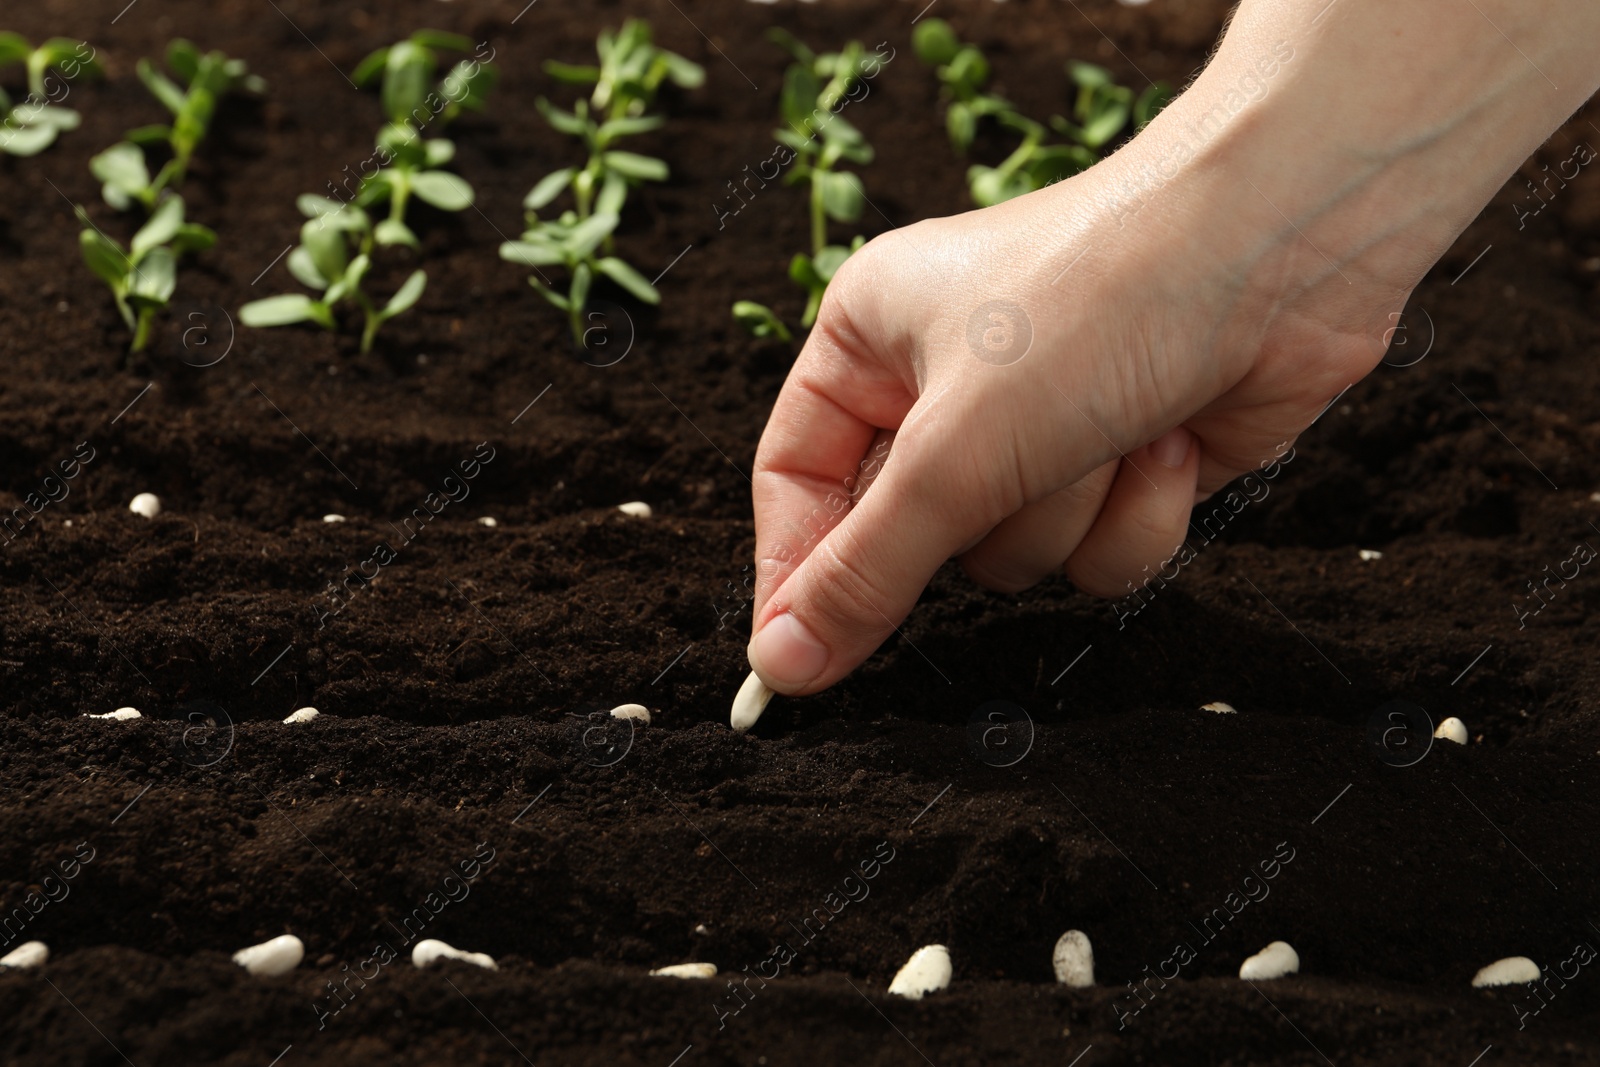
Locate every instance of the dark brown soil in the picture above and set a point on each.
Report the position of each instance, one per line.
(456, 689)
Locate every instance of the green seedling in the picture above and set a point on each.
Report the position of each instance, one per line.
(208, 77)
(144, 277)
(631, 72)
(1100, 114)
(412, 169)
(408, 68)
(812, 89)
(33, 125)
(409, 164)
(333, 257)
(574, 243)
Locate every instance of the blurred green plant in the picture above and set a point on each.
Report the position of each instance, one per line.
(143, 278)
(1100, 113)
(207, 77)
(410, 165)
(814, 86)
(29, 127)
(630, 74)
(333, 257)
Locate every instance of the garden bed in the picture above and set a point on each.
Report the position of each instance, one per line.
(457, 690)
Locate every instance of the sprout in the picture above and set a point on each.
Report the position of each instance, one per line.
(408, 68)
(209, 77)
(31, 126)
(821, 141)
(1101, 112)
(324, 261)
(631, 71)
(143, 278)
(412, 101)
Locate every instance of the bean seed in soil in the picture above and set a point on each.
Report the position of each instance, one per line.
(637, 508)
(146, 504)
(1220, 708)
(303, 715)
(927, 971)
(750, 702)
(27, 954)
(637, 712)
(1452, 729)
(1513, 970)
(1074, 960)
(120, 715)
(686, 970)
(271, 958)
(431, 950)
(1274, 961)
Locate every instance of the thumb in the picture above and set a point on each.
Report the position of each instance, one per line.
(862, 579)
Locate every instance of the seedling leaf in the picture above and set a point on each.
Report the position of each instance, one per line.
(587, 235)
(160, 86)
(445, 191)
(406, 296)
(549, 187)
(629, 279)
(154, 279)
(104, 257)
(282, 310)
(305, 270)
(570, 74)
(395, 232)
(529, 254)
(122, 167)
(759, 320)
(934, 41)
(161, 227)
(635, 166)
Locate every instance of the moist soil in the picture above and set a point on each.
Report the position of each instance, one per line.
(458, 784)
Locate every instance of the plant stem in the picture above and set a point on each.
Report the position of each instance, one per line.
(369, 333)
(819, 215)
(141, 332)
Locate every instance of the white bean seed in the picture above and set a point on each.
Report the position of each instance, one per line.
(120, 715)
(431, 950)
(927, 971)
(686, 970)
(1452, 729)
(332, 518)
(1220, 708)
(1074, 960)
(1274, 961)
(1513, 970)
(146, 504)
(487, 520)
(632, 711)
(27, 954)
(637, 508)
(303, 715)
(1369, 554)
(749, 703)
(271, 958)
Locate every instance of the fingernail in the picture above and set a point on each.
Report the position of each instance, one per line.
(786, 654)
(1172, 447)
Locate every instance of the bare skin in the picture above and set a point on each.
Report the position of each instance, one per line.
(1193, 303)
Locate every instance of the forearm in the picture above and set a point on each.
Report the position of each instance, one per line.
(1361, 138)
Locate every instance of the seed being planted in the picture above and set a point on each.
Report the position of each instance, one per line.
(271, 958)
(27, 954)
(1274, 961)
(686, 970)
(1220, 708)
(1074, 960)
(637, 508)
(1513, 970)
(120, 715)
(146, 504)
(303, 715)
(1452, 729)
(927, 971)
(749, 703)
(429, 951)
(637, 712)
